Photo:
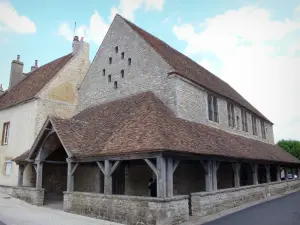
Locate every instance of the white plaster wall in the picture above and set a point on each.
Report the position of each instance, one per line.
(192, 105)
(21, 137)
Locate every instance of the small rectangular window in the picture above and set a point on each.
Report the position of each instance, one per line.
(231, 116)
(263, 129)
(5, 133)
(244, 120)
(212, 102)
(254, 126)
(8, 165)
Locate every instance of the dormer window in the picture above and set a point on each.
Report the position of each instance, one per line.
(116, 49)
(110, 60)
(109, 78)
(122, 73)
(129, 62)
(212, 108)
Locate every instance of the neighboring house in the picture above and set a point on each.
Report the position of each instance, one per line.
(47, 90)
(146, 110)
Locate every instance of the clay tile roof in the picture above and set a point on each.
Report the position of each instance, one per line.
(142, 123)
(22, 157)
(33, 83)
(192, 71)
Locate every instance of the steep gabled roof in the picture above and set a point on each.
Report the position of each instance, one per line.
(192, 71)
(33, 83)
(142, 123)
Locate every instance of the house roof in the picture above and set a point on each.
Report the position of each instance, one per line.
(32, 83)
(142, 123)
(190, 70)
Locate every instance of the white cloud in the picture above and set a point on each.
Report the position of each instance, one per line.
(127, 7)
(166, 20)
(297, 9)
(95, 32)
(11, 21)
(245, 41)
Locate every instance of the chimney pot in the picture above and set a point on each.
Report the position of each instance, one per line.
(18, 58)
(76, 38)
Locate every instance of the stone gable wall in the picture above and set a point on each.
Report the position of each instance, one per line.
(147, 71)
(128, 209)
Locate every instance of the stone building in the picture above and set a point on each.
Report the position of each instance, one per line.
(146, 110)
(31, 97)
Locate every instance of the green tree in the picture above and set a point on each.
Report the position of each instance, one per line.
(291, 146)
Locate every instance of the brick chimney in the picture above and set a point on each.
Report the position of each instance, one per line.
(16, 72)
(75, 45)
(35, 66)
(1, 90)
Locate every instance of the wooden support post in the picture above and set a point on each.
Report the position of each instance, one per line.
(107, 178)
(98, 181)
(127, 184)
(70, 180)
(170, 172)
(293, 173)
(215, 167)
(161, 177)
(236, 172)
(39, 174)
(298, 174)
(20, 175)
(285, 173)
(278, 173)
(255, 173)
(207, 166)
(268, 173)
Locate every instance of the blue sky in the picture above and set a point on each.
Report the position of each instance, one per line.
(252, 45)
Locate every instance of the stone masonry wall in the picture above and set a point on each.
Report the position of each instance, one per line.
(208, 203)
(33, 196)
(148, 71)
(192, 105)
(128, 209)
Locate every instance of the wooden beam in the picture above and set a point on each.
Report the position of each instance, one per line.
(101, 167)
(152, 166)
(161, 177)
(20, 175)
(74, 168)
(39, 175)
(170, 173)
(70, 178)
(268, 175)
(236, 172)
(254, 168)
(175, 164)
(114, 167)
(35, 167)
(107, 178)
(55, 162)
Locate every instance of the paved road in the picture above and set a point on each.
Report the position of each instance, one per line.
(281, 211)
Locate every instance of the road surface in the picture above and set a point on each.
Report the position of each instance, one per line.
(281, 211)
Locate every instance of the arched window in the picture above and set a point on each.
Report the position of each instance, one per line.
(122, 55)
(103, 72)
(129, 62)
(122, 73)
(109, 78)
(116, 49)
(110, 60)
(115, 84)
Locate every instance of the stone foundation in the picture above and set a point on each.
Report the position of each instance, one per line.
(31, 195)
(209, 203)
(128, 209)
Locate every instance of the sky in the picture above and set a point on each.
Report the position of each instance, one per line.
(254, 45)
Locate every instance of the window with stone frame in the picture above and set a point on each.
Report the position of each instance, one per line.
(212, 102)
(122, 73)
(263, 129)
(109, 78)
(244, 120)
(8, 166)
(115, 84)
(110, 60)
(231, 116)
(122, 55)
(5, 133)
(254, 125)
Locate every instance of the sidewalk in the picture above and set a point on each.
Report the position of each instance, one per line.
(17, 212)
